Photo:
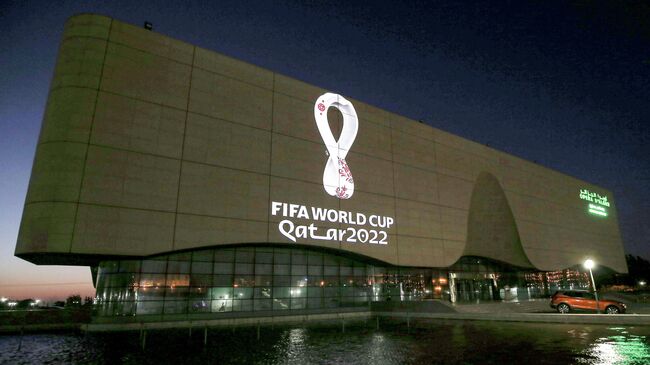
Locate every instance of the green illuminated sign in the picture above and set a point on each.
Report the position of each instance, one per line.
(598, 203)
(598, 210)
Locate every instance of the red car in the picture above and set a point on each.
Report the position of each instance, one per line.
(566, 301)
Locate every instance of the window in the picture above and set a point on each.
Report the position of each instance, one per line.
(256, 278)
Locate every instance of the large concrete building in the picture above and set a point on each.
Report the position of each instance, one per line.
(197, 183)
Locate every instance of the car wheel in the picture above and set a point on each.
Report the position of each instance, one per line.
(563, 308)
(611, 310)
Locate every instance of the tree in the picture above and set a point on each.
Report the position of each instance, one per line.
(73, 301)
(89, 301)
(24, 303)
(638, 268)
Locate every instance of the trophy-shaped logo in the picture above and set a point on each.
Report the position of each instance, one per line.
(337, 177)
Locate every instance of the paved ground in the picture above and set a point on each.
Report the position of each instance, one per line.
(536, 306)
(528, 306)
(619, 319)
(537, 310)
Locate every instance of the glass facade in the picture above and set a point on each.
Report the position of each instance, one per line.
(474, 279)
(266, 279)
(249, 279)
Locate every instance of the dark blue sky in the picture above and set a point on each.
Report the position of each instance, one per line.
(564, 84)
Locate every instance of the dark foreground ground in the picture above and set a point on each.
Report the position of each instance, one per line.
(15, 321)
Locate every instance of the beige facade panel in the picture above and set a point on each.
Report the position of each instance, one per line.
(165, 146)
(222, 97)
(455, 162)
(378, 173)
(121, 231)
(452, 251)
(515, 180)
(373, 204)
(130, 180)
(574, 246)
(412, 150)
(223, 192)
(57, 172)
(491, 227)
(387, 253)
(87, 25)
(300, 192)
(469, 147)
(145, 76)
(227, 144)
(68, 115)
(296, 89)
(373, 139)
(374, 115)
(194, 231)
(453, 223)
(454, 192)
(416, 251)
(46, 228)
(138, 126)
(298, 159)
(415, 184)
(230, 67)
(418, 219)
(80, 63)
(404, 125)
(294, 117)
(150, 42)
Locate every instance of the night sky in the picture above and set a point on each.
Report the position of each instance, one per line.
(566, 85)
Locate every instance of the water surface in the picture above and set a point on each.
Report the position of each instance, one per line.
(435, 342)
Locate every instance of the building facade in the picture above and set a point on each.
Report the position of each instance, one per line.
(194, 183)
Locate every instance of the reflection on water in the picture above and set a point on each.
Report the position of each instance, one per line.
(433, 342)
(295, 341)
(619, 348)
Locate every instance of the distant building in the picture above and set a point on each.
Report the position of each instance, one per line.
(197, 185)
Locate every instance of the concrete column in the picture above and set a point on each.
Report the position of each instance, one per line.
(452, 287)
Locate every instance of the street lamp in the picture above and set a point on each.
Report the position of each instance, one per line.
(589, 264)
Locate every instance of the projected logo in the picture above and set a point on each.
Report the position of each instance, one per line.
(302, 222)
(337, 177)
